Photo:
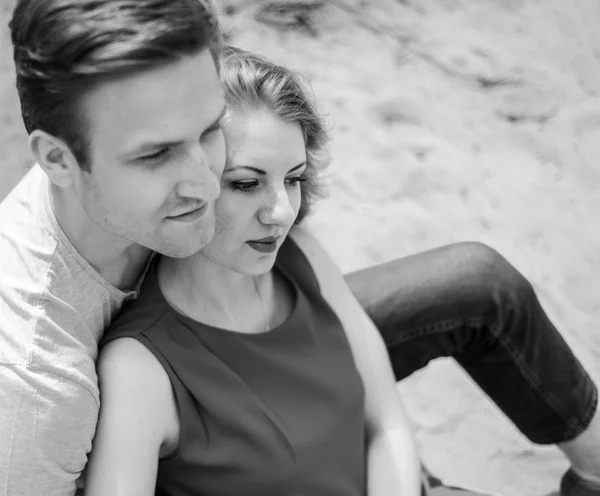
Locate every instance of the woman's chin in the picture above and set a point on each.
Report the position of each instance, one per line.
(262, 265)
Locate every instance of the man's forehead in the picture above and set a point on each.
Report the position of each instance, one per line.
(159, 104)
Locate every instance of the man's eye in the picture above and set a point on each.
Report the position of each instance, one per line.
(155, 157)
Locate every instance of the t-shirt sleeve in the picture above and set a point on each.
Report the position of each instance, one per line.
(47, 423)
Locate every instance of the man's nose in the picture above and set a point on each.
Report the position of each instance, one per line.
(199, 179)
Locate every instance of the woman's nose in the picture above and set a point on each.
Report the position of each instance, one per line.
(277, 209)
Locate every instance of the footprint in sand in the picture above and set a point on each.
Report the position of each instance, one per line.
(529, 103)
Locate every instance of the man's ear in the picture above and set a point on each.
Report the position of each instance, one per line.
(54, 156)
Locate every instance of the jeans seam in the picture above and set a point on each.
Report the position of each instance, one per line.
(425, 331)
(573, 425)
(509, 346)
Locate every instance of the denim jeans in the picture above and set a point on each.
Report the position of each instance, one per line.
(467, 302)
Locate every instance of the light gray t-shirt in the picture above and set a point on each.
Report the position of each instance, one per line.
(53, 309)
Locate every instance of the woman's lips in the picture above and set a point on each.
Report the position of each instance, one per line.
(264, 245)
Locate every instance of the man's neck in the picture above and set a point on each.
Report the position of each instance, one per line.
(120, 262)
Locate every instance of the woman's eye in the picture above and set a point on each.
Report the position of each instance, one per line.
(295, 181)
(244, 186)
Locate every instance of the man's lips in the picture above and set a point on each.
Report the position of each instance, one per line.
(191, 215)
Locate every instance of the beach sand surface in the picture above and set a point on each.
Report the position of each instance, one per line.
(451, 120)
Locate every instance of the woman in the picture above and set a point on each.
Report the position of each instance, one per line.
(249, 368)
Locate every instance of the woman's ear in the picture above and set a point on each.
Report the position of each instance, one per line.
(54, 157)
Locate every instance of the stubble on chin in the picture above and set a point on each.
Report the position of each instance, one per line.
(184, 246)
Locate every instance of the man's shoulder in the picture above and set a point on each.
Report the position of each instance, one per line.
(147, 314)
(30, 262)
(52, 313)
(39, 331)
(24, 234)
(41, 274)
(26, 250)
(24, 195)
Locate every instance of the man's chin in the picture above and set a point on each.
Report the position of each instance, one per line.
(185, 243)
(183, 248)
(180, 251)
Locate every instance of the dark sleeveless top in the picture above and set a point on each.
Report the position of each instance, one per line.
(279, 413)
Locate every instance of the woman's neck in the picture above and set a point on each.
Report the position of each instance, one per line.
(215, 295)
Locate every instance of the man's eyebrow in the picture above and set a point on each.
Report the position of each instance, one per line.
(260, 171)
(154, 145)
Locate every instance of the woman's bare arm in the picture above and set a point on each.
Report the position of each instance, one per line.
(137, 417)
(393, 464)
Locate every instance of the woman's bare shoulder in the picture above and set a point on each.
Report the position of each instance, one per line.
(132, 378)
(128, 359)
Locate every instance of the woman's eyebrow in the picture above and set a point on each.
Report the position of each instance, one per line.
(299, 166)
(260, 171)
(247, 167)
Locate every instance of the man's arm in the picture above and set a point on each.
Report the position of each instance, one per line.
(393, 463)
(47, 423)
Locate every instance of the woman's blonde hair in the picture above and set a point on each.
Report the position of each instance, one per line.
(252, 82)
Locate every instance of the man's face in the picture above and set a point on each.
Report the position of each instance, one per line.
(156, 153)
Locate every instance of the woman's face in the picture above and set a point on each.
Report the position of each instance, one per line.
(260, 191)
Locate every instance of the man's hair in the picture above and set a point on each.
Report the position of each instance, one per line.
(64, 48)
(252, 82)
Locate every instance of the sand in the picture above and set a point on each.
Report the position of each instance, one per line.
(451, 120)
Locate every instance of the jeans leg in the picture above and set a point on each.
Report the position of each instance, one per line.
(467, 302)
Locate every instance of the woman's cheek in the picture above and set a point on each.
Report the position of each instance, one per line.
(231, 210)
(296, 200)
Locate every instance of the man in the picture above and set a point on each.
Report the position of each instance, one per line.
(129, 154)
